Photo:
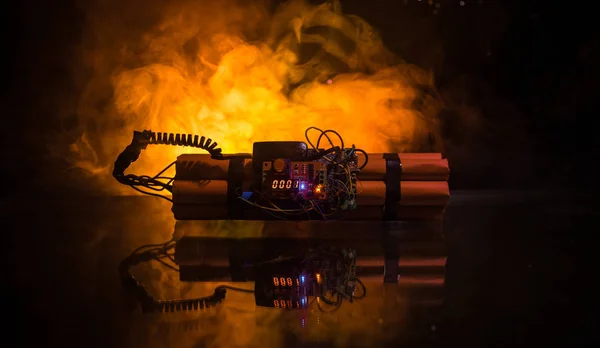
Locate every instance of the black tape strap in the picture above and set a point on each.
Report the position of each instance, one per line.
(392, 179)
(236, 264)
(235, 180)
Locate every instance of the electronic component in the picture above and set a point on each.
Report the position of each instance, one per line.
(285, 179)
(309, 181)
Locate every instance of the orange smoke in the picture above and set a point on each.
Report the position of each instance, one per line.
(240, 74)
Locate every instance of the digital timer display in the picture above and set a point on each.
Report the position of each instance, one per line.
(284, 184)
(285, 282)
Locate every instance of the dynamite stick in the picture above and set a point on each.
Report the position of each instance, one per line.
(370, 193)
(412, 170)
(415, 167)
(413, 193)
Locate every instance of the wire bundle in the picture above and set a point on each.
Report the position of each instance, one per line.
(341, 185)
(158, 182)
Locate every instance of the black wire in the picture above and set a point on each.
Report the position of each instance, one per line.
(158, 138)
(273, 213)
(308, 138)
(166, 264)
(366, 158)
(159, 245)
(363, 287)
(228, 287)
(151, 183)
(337, 305)
(324, 133)
(320, 130)
(164, 170)
(155, 252)
(171, 257)
(151, 194)
(329, 301)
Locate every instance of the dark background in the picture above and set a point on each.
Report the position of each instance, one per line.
(528, 67)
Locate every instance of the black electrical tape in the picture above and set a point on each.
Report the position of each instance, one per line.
(235, 181)
(392, 179)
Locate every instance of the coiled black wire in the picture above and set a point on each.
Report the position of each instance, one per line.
(192, 304)
(151, 305)
(179, 139)
(200, 303)
(189, 304)
(140, 141)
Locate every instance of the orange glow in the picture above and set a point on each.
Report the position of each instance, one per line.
(318, 278)
(195, 72)
(318, 189)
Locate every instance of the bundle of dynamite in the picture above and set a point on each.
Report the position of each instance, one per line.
(292, 180)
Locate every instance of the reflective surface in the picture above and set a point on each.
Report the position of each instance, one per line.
(511, 279)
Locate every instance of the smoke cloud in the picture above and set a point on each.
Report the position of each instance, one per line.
(240, 72)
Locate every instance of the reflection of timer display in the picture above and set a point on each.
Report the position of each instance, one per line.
(290, 303)
(285, 282)
(284, 184)
(281, 289)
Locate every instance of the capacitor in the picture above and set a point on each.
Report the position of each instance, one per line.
(279, 165)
